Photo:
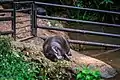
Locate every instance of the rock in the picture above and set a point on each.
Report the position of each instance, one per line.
(29, 47)
(41, 11)
(78, 59)
(106, 70)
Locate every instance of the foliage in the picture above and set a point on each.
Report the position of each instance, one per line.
(5, 45)
(87, 73)
(85, 15)
(14, 67)
(54, 71)
(12, 64)
(59, 71)
(81, 14)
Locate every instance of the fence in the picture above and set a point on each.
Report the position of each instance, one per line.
(82, 21)
(12, 18)
(34, 26)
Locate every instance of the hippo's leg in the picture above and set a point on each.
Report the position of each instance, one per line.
(67, 57)
(58, 57)
(69, 53)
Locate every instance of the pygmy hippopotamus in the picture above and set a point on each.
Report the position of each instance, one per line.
(56, 48)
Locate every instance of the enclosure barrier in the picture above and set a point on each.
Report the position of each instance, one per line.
(80, 21)
(34, 26)
(12, 18)
(6, 10)
(6, 32)
(78, 8)
(80, 31)
(32, 13)
(90, 43)
(6, 18)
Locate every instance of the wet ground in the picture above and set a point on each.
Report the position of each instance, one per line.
(113, 59)
(111, 56)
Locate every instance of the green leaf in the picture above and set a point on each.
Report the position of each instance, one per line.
(79, 76)
(96, 74)
(88, 77)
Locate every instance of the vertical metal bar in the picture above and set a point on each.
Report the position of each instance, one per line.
(14, 21)
(33, 20)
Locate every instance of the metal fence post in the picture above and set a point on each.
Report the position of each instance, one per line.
(33, 20)
(14, 21)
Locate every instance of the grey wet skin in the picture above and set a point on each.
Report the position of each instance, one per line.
(56, 48)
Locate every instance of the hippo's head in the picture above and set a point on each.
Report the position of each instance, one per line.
(57, 52)
(54, 54)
